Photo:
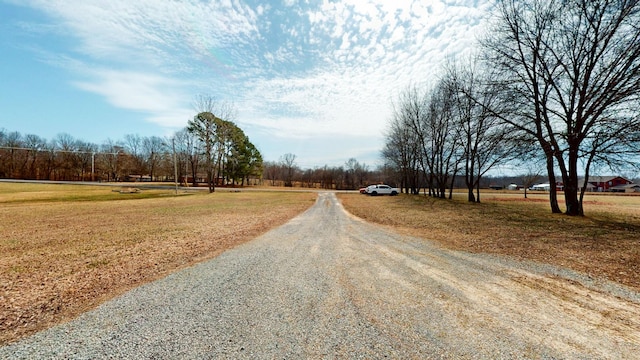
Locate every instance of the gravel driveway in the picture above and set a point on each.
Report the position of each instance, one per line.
(328, 285)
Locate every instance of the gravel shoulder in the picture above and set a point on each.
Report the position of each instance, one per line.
(329, 285)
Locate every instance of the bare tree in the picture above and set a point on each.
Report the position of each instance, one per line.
(354, 174)
(111, 159)
(273, 171)
(152, 149)
(532, 175)
(570, 73)
(425, 138)
(442, 141)
(404, 148)
(84, 158)
(49, 161)
(485, 141)
(11, 142)
(288, 162)
(65, 158)
(328, 178)
(359, 172)
(184, 147)
(222, 109)
(35, 144)
(134, 146)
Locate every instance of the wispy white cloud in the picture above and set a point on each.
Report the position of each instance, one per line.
(135, 91)
(160, 99)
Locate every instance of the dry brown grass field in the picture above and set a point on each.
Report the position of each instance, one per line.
(64, 249)
(603, 244)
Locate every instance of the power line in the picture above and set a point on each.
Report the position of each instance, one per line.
(59, 150)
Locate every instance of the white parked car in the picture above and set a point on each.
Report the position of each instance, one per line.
(381, 190)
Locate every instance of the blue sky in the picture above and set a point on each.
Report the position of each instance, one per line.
(312, 78)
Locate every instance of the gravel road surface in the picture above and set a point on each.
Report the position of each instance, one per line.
(328, 285)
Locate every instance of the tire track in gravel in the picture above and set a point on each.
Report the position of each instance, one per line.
(329, 285)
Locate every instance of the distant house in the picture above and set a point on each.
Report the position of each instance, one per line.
(607, 183)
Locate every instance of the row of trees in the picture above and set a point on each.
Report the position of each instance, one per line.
(210, 145)
(234, 159)
(66, 158)
(352, 175)
(557, 81)
(439, 134)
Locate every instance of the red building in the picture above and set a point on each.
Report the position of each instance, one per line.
(605, 183)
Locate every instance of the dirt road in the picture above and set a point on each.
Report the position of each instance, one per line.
(328, 285)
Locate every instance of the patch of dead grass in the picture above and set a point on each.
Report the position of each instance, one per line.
(60, 257)
(605, 243)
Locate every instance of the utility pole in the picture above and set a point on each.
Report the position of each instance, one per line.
(175, 163)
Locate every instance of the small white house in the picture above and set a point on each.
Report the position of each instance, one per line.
(513, 186)
(541, 187)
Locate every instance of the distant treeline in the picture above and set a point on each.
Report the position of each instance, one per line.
(140, 158)
(67, 158)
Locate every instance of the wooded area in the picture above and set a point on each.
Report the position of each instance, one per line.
(136, 158)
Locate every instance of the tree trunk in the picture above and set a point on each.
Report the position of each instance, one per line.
(468, 179)
(212, 187)
(451, 184)
(572, 201)
(574, 205)
(553, 194)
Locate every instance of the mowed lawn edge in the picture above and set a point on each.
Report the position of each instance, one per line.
(603, 244)
(60, 257)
